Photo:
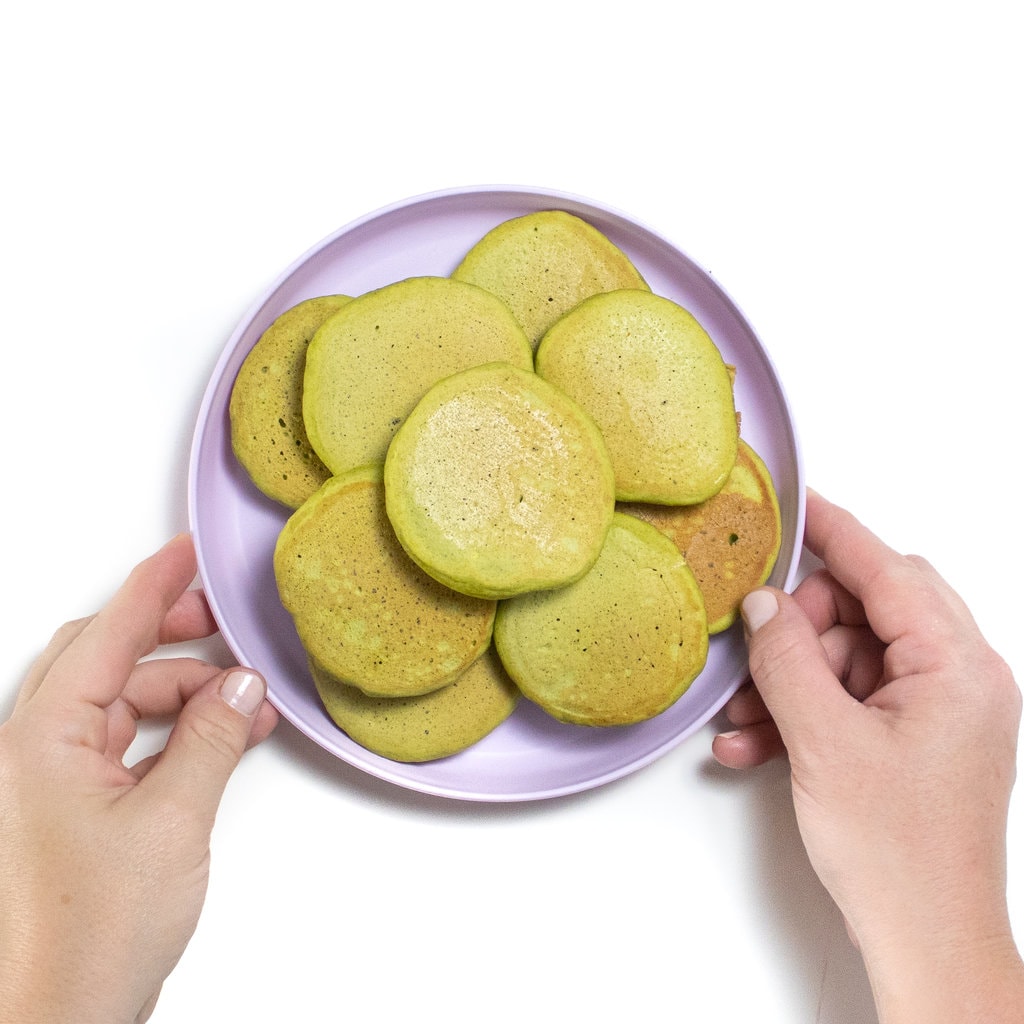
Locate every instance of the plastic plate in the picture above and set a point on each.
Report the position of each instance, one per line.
(530, 756)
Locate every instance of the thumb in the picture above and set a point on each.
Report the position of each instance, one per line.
(208, 740)
(789, 666)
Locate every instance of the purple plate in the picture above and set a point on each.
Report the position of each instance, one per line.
(530, 756)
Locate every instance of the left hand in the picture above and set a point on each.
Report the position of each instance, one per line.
(104, 867)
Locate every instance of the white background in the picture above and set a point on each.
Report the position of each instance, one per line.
(851, 175)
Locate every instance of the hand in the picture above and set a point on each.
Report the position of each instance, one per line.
(104, 867)
(900, 724)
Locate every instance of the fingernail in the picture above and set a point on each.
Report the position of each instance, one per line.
(244, 691)
(730, 735)
(758, 607)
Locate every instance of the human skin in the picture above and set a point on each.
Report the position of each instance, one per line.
(899, 721)
(104, 867)
(900, 724)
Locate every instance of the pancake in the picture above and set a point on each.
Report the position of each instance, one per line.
(369, 365)
(619, 646)
(658, 388)
(362, 609)
(545, 263)
(268, 434)
(428, 727)
(731, 541)
(497, 484)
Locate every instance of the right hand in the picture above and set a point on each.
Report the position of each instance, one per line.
(901, 724)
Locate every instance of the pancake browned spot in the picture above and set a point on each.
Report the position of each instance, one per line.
(428, 727)
(544, 263)
(363, 610)
(731, 541)
(268, 434)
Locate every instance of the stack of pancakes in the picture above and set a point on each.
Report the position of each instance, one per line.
(523, 479)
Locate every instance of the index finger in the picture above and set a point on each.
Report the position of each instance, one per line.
(897, 591)
(850, 551)
(96, 665)
(189, 618)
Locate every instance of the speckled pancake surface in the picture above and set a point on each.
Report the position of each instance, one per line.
(731, 541)
(268, 433)
(620, 645)
(370, 364)
(544, 263)
(498, 483)
(657, 386)
(363, 610)
(428, 727)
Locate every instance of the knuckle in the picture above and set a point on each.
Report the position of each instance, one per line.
(66, 632)
(217, 732)
(771, 655)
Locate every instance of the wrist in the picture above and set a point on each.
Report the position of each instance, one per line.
(24, 999)
(39, 989)
(960, 976)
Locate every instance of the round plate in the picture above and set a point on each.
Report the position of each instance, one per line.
(530, 756)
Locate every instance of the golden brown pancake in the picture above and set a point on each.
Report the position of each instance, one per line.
(618, 646)
(372, 362)
(498, 483)
(544, 263)
(658, 388)
(731, 541)
(428, 727)
(363, 610)
(268, 434)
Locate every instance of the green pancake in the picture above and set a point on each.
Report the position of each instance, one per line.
(372, 362)
(268, 434)
(498, 483)
(731, 541)
(428, 727)
(362, 609)
(618, 646)
(658, 388)
(543, 264)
